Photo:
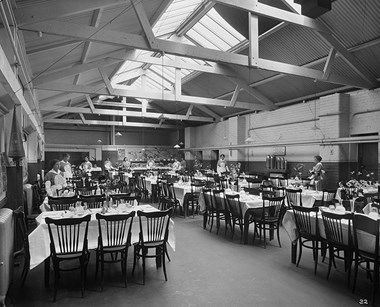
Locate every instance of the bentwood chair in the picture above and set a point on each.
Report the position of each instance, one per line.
(124, 198)
(222, 212)
(339, 238)
(193, 198)
(68, 241)
(93, 201)
(236, 213)
(308, 231)
(211, 212)
(327, 197)
(21, 242)
(62, 203)
(294, 197)
(154, 233)
(269, 218)
(86, 191)
(359, 204)
(366, 230)
(113, 242)
(171, 199)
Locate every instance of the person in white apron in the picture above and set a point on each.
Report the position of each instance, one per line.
(222, 165)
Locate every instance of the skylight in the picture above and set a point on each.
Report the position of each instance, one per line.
(211, 31)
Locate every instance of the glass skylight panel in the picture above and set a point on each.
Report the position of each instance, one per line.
(212, 31)
(176, 13)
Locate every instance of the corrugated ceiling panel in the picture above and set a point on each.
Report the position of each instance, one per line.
(294, 45)
(354, 22)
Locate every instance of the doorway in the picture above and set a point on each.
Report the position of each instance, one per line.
(368, 158)
(214, 159)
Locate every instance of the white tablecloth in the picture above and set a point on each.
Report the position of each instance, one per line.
(39, 241)
(246, 202)
(289, 224)
(309, 197)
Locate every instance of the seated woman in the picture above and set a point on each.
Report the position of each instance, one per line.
(53, 179)
(126, 164)
(86, 166)
(150, 163)
(108, 165)
(176, 166)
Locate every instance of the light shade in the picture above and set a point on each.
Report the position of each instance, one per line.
(118, 134)
(16, 148)
(176, 146)
(99, 141)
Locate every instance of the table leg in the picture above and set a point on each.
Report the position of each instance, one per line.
(294, 252)
(205, 215)
(47, 271)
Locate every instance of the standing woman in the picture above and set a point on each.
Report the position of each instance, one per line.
(222, 165)
(317, 173)
(65, 166)
(126, 164)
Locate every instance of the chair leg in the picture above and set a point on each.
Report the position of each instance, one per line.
(143, 266)
(300, 252)
(163, 262)
(265, 235)
(102, 270)
(134, 259)
(315, 257)
(331, 258)
(25, 270)
(56, 279)
(355, 273)
(212, 220)
(375, 282)
(278, 235)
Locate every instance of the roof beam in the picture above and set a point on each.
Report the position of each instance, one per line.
(320, 28)
(126, 76)
(106, 81)
(329, 63)
(206, 110)
(235, 95)
(113, 112)
(144, 23)
(106, 123)
(253, 24)
(88, 98)
(194, 17)
(145, 94)
(116, 38)
(53, 9)
(76, 69)
(13, 88)
(48, 47)
(189, 110)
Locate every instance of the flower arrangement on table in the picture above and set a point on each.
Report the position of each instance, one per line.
(299, 168)
(356, 184)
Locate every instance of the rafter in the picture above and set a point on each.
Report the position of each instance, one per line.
(53, 9)
(320, 28)
(106, 123)
(144, 93)
(112, 112)
(136, 41)
(144, 22)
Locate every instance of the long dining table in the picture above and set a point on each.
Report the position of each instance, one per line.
(39, 240)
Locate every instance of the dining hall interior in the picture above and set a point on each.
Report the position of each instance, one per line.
(189, 152)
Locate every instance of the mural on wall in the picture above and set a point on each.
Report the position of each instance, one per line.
(158, 154)
(3, 176)
(120, 154)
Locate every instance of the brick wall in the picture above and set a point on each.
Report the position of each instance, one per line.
(331, 117)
